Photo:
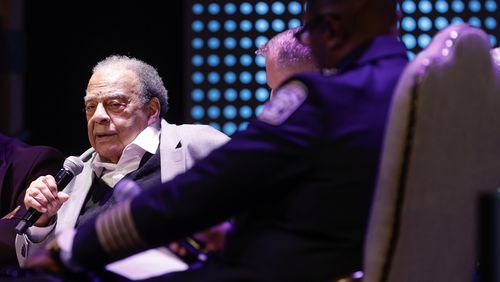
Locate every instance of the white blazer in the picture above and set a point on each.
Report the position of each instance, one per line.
(196, 141)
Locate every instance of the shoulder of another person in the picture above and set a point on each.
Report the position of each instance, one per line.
(285, 101)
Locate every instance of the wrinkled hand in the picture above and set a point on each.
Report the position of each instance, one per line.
(43, 196)
(212, 240)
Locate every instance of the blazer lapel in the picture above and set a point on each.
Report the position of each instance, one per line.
(172, 160)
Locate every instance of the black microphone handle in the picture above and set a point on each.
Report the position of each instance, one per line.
(62, 178)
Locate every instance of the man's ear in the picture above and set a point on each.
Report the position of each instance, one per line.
(153, 110)
(335, 33)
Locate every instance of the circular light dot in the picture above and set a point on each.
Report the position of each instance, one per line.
(490, 6)
(197, 60)
(230, 25)
(229, 60)
(245, 42)
(258, 110)
(197, 77)
(457, 6)
(278, 25)
(213, 112)
(293, 23)
(229, 112)
(215, 125)
(245, 112)
(229, 128)
(197, 43)
(409, 41)
(245, 25)
(213, 60)
(197, 112)
(260, 40)
(246, 60)
(410, 55)
(262, 94)
(294, 8)
(442, 6)
(425, 6)
(230, 43)
(493, 40)
(213, 26)
(424, 24)
(408, 7)
(475, 21)
(457, 20)
(213, 94)
(230, 8)
(260, 61)
(261, 25)
(423, 40)
(230, 77)
(213, 43)
(261, 8)
(260, 77)
(440, 23)
(246, 8)
(490, 23)
(278, 8)
(197, 9)
(243, 126)
(197, 26)
(230, 94)
(245, 77)
(245, 94)
(197, 95)
(408, 24)
(213, 77)
(214, 8)
(474, 6)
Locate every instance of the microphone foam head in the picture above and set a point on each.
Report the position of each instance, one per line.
(73, 164)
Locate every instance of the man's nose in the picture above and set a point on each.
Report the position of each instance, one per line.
(100, 113)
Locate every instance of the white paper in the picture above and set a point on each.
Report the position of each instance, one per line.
(147, 264)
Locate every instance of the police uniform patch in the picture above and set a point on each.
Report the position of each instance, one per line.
(284, 103)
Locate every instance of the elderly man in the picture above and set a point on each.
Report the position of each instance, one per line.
(298, 181)
(125, 104)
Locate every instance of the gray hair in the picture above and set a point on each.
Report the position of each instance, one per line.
(150, 83)
(289, 52)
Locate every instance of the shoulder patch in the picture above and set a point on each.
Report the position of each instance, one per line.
(284, 103)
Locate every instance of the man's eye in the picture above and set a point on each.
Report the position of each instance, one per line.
(90, 107)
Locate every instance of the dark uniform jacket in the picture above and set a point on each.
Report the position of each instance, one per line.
(20, 164)
(298, 181)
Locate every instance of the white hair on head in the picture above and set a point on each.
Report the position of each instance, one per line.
(289, 52)
(150, 83)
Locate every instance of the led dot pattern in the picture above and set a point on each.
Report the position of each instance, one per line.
(226, 82)
(421, 20)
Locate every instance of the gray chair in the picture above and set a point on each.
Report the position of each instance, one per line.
(441, 152)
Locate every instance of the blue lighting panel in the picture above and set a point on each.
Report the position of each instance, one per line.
(226, 82)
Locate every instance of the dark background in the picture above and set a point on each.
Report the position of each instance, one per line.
(64, 40)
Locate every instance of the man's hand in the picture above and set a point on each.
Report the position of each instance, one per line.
(212, 240)
(43, 196)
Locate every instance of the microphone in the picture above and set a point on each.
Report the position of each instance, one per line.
(72, 166)
(127, 188)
